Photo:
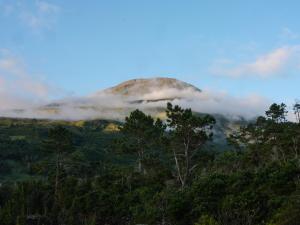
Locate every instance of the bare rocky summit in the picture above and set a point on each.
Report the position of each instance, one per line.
(146, 86)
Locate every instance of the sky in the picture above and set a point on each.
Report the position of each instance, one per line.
(56, 48)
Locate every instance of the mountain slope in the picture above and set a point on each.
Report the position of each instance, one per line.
(149, 95)
(146, 86)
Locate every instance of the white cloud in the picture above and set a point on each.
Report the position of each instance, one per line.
(19, 89)
(104, 105)
(263, 66)
(219, 102)
(43, 15)
(18, 86)
(35, 14)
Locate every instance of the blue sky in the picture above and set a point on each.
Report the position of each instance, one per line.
(78, 47)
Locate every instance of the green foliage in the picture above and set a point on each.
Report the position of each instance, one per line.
(188, 133)
(296, 109)
(206, 220)
(277, 113)
(141, 134)
(81, 173)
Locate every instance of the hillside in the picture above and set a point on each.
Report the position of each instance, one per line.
(105, 172)
(21, 143)
(149, 95)
(146, 87)
(116, 102)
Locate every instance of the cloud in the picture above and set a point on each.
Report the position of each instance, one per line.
(36, 15)
(45, 7)
(18, 87)
(104, 105)
(263, 66)
(217, 102)
(23, 94)
(43, 15)
(23, 91)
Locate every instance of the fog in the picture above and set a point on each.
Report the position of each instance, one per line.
(105, 105)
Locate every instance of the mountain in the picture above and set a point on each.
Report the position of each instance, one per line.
(149, 95)
(146, 87)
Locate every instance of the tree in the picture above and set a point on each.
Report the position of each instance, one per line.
(296, 108)
(188, 133)
(140, 134)
(206, 220)
(270, 138)
(59, 143)
(277, 113)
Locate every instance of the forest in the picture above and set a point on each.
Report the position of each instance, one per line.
(150, 171)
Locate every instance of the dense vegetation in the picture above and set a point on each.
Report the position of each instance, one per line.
(147, 171)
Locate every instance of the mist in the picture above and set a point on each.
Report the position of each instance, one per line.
(105, 105)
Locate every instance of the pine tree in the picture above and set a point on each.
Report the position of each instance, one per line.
(188, 133)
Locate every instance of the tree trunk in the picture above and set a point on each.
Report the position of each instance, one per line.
(178, 170)
(187, 161)
(57, 173)
(140, 167)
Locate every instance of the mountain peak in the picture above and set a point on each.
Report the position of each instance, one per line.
(146, 86)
